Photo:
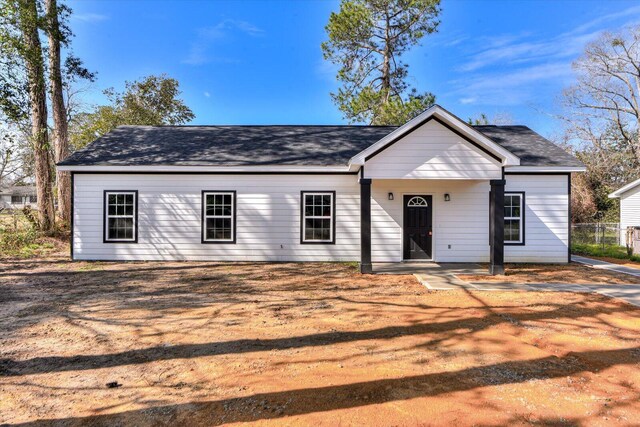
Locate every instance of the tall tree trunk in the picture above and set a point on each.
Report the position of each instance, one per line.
(60, 124)
(38, 103)
(386, 61)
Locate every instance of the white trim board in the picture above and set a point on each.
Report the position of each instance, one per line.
(544, 169)
(619, 192)
(508, 158)
(212, 169)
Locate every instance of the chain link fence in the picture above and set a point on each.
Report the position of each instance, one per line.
(601, 234)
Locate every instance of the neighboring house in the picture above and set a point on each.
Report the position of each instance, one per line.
(629, 196)
(18, 196)
(432, 189)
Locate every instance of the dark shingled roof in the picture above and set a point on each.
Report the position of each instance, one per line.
(229, 145)
(277, 145)
(532, 148)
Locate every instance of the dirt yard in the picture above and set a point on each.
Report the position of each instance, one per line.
(313, 344)
(573, 273)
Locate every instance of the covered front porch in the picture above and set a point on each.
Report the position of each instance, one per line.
(433, 190)
(453, 222)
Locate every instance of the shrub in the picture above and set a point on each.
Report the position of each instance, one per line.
(12, 241)
(19, 237)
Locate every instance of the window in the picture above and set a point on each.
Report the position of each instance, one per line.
(318, 217)
(16, 199)
(218, 217)
(417, 201)
(33, 199)
(121, 216)
(514, 218)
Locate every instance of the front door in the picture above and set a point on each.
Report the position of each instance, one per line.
(417, 227)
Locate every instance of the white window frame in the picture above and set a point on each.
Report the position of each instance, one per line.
(520, 218)
(133, 216)
(304, 216)
(206, 193)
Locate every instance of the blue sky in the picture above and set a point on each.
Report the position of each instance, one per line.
(259, 62)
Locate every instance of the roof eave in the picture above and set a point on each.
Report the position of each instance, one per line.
(206, 169)
(546, 169)
(619, 192)
(508, 158)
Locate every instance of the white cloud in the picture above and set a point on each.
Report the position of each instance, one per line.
(516, 69)
(89, 17)
(224, 28)
(506, 49)
(207, 94)
(626, 13)
(207, 36)
(451, 39)
(526, 51)
(514, 87)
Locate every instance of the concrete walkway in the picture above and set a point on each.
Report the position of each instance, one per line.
(628, 293)
(444, 277)
(433, 275)
(596, 263)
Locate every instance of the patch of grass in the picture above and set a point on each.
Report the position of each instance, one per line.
(352, 264)
(13, 240)
(19, 238)
(611, 251)
(35, 249)
(90, 267)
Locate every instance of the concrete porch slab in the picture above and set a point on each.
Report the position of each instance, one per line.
(440, 276)
(428, 268)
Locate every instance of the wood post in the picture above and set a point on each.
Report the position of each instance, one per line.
(365, 226)
(496, 215)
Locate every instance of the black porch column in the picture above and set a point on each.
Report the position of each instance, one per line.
(496, 235)
(365, 226)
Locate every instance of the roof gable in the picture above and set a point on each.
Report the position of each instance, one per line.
(453, 123)
(433, 151)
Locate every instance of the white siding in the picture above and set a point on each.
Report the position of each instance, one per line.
(546, 218)
(432, 152)
(268, 217)
(460, 226)
(629, 210)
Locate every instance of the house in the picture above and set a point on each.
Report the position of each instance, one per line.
(433, 189)
(18, 196)
(629, 196)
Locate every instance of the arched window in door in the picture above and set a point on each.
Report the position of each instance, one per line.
(417, 201)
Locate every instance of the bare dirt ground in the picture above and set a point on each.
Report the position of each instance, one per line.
(573, 273)
(310, 344)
